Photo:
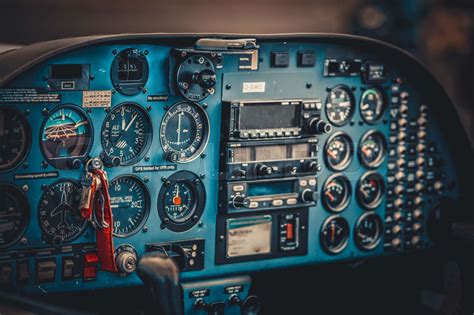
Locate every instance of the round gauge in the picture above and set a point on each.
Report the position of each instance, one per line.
(126, 133)
(370, 190)
(372, 149)
(368, 231)
(130, 204)
(372, 105)
(184, 132)
(340, 105)
(334, 234)
(15, 138)
(129, 71)
(66, 135)
(336, 193)
(338, 151)
(58, 214)
(181, 201)
(14, 214)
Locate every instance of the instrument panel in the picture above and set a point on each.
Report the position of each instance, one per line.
(230, 155)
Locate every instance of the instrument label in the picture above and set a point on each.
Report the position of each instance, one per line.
(154, 168)
(253, 87)
(199, 293)
(15, 96)
(157, 98)
(249, 236)
(91, 99)
(44, 175)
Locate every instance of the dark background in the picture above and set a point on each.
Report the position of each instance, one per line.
(439, 32)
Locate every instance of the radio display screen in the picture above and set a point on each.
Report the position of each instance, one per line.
(269, 116)
(264, 189)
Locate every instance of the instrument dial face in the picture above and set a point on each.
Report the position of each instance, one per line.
(340, 105)
(372, 105)
(370, 190)
(126, 133)
(372, 149)
(59, 215)
(368, 231)
(15, 138)
(334, 234)
(130, 204)
(129, 71)
(66, 134)
(336, 193)
(184, 132)
(338, 151)
(14, 214)
(181, 201)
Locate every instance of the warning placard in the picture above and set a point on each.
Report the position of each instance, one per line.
(15, 96)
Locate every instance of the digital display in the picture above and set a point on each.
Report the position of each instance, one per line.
(65, 72)
(269, 116)
(242, 155)
(264, 189)
(300, 151)
(269, 153)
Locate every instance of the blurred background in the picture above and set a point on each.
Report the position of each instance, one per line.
(439, 32)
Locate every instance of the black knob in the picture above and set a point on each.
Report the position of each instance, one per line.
(309, 195)
(74, 164)
(240, 201)
(311, 166)
(172, 157)
(263, 170)
(112, 161)
(251, 305)
(240, 172)
(206, 78)
(216, 308)
(318, 126)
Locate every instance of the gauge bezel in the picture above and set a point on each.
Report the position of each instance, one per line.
(353, 104)
(349, 158)
(45, 236)
(347, 198)
(133, 87)
(28, 139)
(62, 163)
(147, 205)
(206, 134)
(344, 244)
(148, 141)
(27, 213)
(383, 155)
(199, 192)
(381, 194)
(357, 240)
(383, 94)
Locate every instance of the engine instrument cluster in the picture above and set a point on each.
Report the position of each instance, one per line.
(229, 155)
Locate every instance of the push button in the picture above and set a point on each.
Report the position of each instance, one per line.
(45, 270)
(5, 274)
(23, 271)
(280, 59)
(306, 58)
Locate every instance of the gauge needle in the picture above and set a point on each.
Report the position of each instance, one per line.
(123, 117)
(365, 151)
(131, 121)
(333, 232)
(179, 127)
(331, 154)
(177, 198)
(364, 106)
(366, 193)
(330, 195)
(345, 104)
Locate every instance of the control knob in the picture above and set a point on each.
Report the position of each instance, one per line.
(206, 78)
(312, 166)
(240, 201)
(172, 157)
(318, 126)
(263, 170)
(309, 195)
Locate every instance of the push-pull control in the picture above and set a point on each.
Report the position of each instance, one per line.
(309, 195)
(240, 201)
(318, 126)
(263, 169)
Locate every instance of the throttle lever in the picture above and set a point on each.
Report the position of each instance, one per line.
(160, 274)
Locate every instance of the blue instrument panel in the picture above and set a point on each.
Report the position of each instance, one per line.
(233, 156)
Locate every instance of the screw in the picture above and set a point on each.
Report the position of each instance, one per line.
(44, 164)
(228, 86)
(144, 90)
(148, 108)
(145, 52)
(146, 179)
(166, 220)
(167, 183)
(114, 52)
(25, 165)
(25, 188)
(204, 105)
(27, 112)
(202, 175)
(221, 238)
(201, 224)
(145, 229)
(147, 158)
(183, 54)
(308, 85)
(197, 181)
(23, 240)
(45, 111)
(203, 156)
(91, 77)
(195, 218)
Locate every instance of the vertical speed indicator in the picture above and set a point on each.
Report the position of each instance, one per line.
(184, 132)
